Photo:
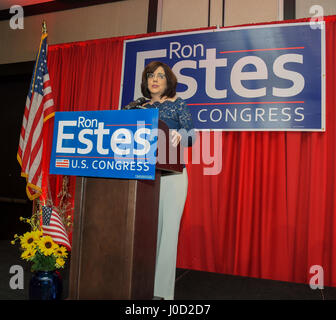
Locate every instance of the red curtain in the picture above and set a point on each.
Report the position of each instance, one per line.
(84, 76)
(269, 213)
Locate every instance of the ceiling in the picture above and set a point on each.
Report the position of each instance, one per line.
(6, 4)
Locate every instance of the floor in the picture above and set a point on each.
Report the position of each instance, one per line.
(190, 284)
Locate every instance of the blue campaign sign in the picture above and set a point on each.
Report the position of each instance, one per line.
(268, 77)
(111, 144)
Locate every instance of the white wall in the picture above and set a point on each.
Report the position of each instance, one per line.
(94, 22)
(303, 6)
(239, 12)
(184, 14)
(130, 17)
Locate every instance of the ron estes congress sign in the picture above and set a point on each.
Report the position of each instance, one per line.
(267, 77)
(111, 144)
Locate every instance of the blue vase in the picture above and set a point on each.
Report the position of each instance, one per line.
(45, 285)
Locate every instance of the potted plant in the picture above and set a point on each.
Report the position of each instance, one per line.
(46, 257)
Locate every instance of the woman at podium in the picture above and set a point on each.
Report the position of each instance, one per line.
(159, 85)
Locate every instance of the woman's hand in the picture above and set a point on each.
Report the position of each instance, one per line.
(176, 138)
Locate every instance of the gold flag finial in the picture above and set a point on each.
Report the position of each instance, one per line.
(44, 27)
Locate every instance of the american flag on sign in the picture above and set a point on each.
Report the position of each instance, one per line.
(62, 163)
(39, 108)
(52, 226)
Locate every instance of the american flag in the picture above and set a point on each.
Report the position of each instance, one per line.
(52, 226)
(39, 108)
(62, 163)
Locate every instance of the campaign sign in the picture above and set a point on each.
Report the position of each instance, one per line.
(110, 144)
(268, 77)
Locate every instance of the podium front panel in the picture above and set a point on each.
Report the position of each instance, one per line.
(114, 238)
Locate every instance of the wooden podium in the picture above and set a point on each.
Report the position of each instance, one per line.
(114, 235)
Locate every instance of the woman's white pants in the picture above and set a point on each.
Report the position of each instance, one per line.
(173, 194)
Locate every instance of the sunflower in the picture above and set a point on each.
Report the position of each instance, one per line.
(28, 239)
(47, 245)
(38, 233)
(28, 254)
(61, 252)
(60, 262)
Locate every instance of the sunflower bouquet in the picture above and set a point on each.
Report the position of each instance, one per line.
(40, 250)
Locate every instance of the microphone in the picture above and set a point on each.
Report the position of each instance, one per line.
(136, 104)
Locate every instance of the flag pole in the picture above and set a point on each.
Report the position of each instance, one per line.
(36, 201)
(44, 27)
(44, 32)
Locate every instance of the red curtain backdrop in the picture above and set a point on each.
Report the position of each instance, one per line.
(84, 76)
(269, 213)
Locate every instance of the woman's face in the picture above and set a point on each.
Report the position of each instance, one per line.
(157, 82)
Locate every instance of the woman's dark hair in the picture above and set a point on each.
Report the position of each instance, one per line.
(170, 91)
